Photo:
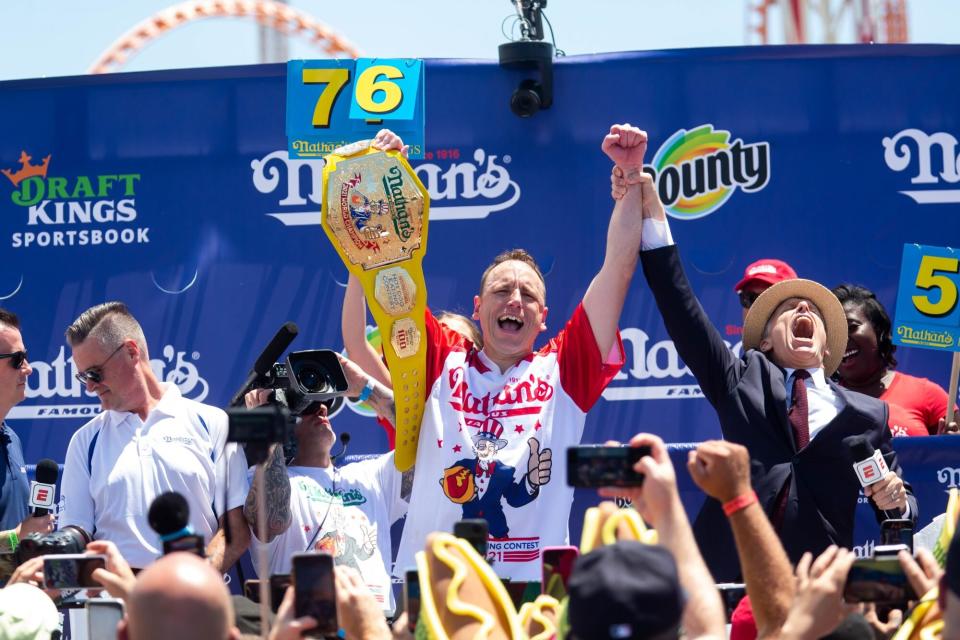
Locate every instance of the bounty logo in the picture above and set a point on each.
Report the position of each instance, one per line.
(937, 163)
(54, 392)
(697, 171)
(74, 211)
(464, 189)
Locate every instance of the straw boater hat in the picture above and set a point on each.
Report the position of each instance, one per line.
(834, 319)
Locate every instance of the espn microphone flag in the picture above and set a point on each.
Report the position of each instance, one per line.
(43, 490)
(868, 463)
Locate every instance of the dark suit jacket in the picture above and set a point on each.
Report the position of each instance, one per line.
(490, 507)
(750, 397)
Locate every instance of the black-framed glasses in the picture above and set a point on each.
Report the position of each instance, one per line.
(95, 374)
(747, 298)
(17, 358)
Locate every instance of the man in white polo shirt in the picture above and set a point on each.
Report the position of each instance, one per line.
(147, 440)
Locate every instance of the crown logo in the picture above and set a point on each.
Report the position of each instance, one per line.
(27, 170)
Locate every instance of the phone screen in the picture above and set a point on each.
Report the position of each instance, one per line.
(278, 588)
(411, 592)
(897, 531)
(557, 567)
(72, 571)
(474, 531)
(103, 616)
(878, 580)
(601, 466)
(315, 591)
(251, 590)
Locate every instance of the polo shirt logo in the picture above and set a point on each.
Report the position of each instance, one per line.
(181, 439)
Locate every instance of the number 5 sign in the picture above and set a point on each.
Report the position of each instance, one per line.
(334, 102)
(927, 311)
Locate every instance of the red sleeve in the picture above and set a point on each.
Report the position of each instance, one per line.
(441, 340)
(935, 404)
(584, 374)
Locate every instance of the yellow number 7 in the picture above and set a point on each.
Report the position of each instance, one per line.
(928, 279)
(335, 79)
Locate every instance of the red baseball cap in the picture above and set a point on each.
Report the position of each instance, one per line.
(766, 270)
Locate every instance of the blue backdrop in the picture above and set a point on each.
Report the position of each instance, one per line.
(172, 191)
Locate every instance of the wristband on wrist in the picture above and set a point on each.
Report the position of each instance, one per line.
(740, 502)
(14, 540)
(367, 391)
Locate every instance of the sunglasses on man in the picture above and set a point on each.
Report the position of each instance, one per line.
(747, 298)
(17, 358)
(95, 374)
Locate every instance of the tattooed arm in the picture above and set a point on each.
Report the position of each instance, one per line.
(276, 489)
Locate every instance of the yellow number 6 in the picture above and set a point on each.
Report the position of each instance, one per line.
(368, 84)
(928, 279)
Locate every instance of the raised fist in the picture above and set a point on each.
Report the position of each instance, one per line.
(626, 146)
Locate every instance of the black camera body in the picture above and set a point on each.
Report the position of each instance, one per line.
(306, 380)
(69, 539)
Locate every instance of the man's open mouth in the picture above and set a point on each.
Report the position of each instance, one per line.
(509, 322)
(803, 327)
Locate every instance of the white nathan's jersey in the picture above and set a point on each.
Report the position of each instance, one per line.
(484, 431)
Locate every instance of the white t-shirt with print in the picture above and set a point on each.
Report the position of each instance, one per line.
(117, 465)
(540, 403)
(346, 512)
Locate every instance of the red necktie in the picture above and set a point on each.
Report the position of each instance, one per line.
(798, 415)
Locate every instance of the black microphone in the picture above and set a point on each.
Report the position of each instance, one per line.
(268, 356)
(44, 488)
(869, 465)
(344, 441)
(169, 516)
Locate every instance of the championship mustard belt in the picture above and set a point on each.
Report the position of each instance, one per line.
(375, 213)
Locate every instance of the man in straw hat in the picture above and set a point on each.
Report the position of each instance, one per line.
(777, 400)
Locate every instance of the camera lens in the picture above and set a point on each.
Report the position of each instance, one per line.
(526, 101)
(312, 379)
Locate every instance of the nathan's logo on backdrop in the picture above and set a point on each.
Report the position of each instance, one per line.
(76, 210)
(696, 171)
(949, 476)
(934, 157)
(460, 187)
(54, 392)
(653, 371)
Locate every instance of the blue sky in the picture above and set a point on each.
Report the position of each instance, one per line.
(63, 37)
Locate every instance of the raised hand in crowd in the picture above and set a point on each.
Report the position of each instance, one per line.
(358, 613)
(658, 503)
(287, 627)
(818, 606)
(924, 574)
(722, 470)
(117, 577)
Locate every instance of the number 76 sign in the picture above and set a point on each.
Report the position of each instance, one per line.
(335, 102)
(927, 311)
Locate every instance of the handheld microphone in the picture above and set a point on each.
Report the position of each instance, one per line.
(265, 361)
(44, 488)
(344, 441)
(868, 463)
(169, 516)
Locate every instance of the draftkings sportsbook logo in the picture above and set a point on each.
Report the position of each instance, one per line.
(697, 170)
(75, 210)
(54, 392)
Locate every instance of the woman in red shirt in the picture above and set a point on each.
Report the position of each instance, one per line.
(916, 404)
